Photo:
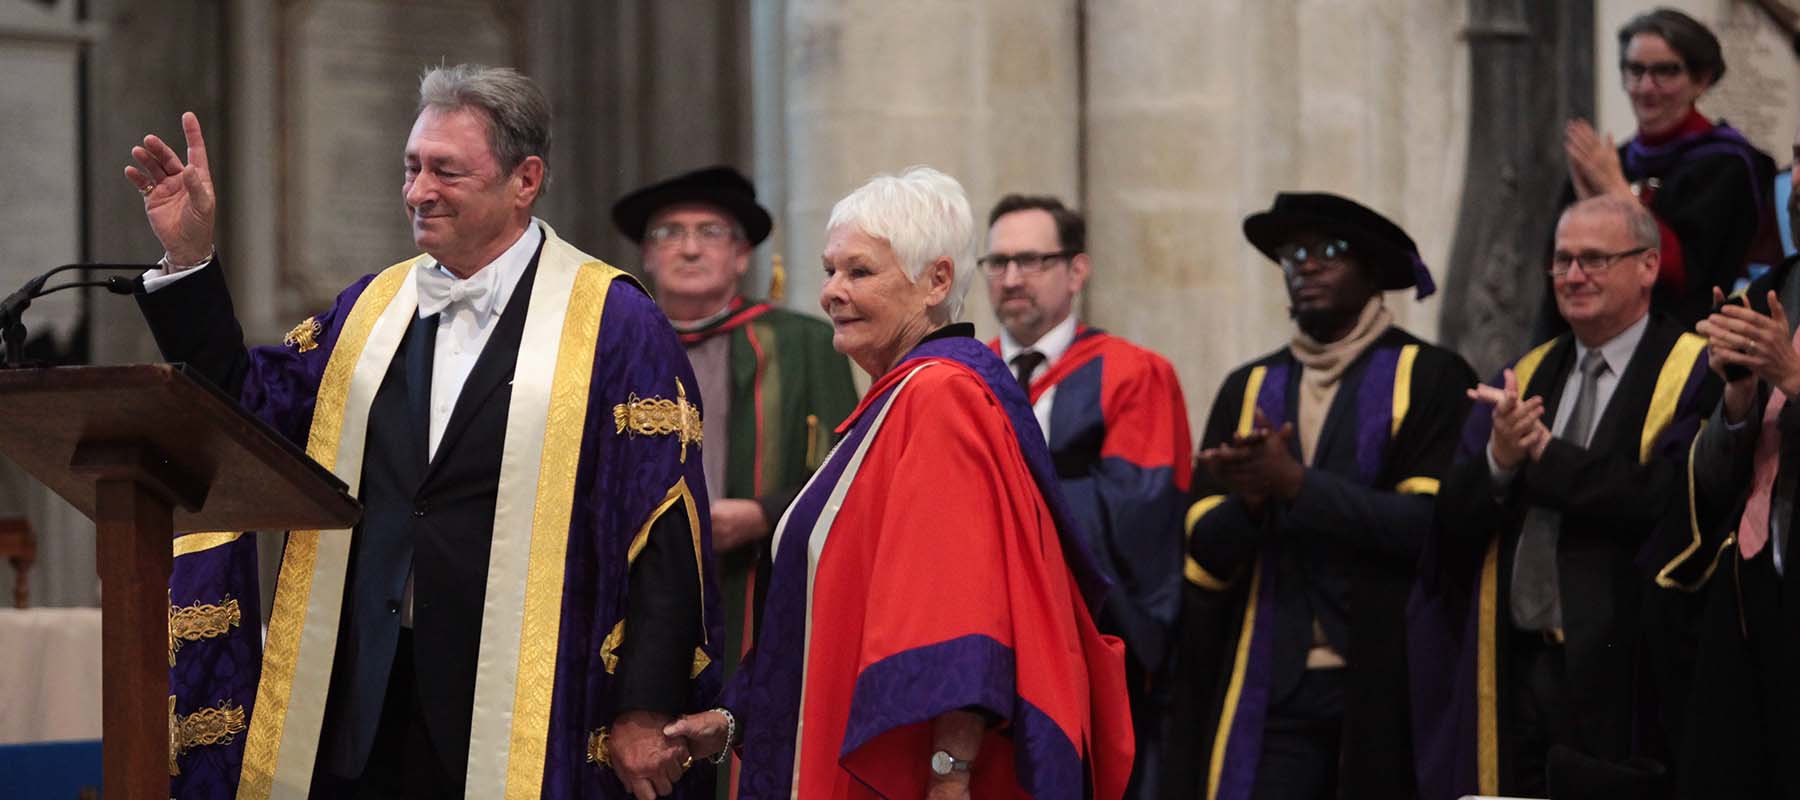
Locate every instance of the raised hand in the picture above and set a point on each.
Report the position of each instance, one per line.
(1593, 161)
(178, 198)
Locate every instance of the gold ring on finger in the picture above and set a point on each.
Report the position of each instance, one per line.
(687, 762)
(145, 190)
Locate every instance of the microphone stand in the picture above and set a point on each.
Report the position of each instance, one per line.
(12, 309)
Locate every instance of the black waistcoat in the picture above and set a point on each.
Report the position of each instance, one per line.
(436, 518)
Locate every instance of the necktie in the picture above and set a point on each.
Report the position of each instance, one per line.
(1536, 604)
(439, 290)
(1753, 526)
(1023, 365)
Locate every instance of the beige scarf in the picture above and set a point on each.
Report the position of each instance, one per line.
(1324, 363)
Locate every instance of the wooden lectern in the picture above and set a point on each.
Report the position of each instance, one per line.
(150, 451)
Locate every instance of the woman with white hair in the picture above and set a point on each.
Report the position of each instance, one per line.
(928, 627)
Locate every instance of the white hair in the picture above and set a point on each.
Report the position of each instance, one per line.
(923, 215)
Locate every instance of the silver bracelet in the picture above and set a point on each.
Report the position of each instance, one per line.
(730, 735)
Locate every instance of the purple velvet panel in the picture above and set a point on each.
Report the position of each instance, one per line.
(279, 388)
(1641, 159)
(1375, 413)
(216, 671)
(1442, 625)
(766, 691)
(283, 383)
(910, 687)
(619, 481)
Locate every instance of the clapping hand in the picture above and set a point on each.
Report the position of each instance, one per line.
(178, 198)
(1593, 161)
(1518, 431)
(1739, 336)
(1257, 465)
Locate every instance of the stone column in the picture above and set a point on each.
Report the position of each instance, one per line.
(1199, 113)
(641, 92)
(985, 90)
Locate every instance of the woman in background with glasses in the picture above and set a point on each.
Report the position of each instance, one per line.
(1707, 186)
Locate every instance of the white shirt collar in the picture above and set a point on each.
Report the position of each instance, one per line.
(1052, 344)
(510, 264)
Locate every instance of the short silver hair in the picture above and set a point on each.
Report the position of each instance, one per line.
(924, 215)
(517, 112)
(1639, 223)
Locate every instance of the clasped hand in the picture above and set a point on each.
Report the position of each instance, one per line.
(1739, 336)
(1258, 465)
(646, 760)
(1518, 432)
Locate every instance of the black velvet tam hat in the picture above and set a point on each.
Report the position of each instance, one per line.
(1377, 243)
(716, 186)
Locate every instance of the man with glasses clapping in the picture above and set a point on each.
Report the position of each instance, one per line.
(1547, 631)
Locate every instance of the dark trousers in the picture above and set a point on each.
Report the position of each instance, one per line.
(403, 764)
(1539, 717)
(1301, 740)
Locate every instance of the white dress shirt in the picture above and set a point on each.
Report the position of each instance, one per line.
(462, 334)
(1053, 344)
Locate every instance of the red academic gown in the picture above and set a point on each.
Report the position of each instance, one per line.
(927, 568)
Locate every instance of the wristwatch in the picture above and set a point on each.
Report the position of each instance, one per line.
(942, 764)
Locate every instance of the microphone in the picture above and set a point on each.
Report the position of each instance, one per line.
(12, 309)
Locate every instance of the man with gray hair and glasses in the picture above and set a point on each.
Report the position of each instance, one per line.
(1544, 632)
(523, 605)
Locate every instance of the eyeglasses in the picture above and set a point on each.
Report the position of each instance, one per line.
(672, 234)
(1591, 263)
(994, 264)
(1661, 73)
(1294, 255)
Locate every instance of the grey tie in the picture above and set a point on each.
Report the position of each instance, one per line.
(1536, 604)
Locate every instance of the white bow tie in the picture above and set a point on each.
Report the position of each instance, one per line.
(438, 290)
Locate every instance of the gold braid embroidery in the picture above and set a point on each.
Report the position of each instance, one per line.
(655, 416)
(304, 336)
(195, 622)
(599, 748)
(206, 726)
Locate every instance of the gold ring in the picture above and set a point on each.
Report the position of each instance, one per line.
(146, 190)
(687, 762)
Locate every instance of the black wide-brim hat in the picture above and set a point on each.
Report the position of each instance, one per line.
(1377, 243)
(715, 186)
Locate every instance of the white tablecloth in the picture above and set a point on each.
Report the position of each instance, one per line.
(49, 674)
